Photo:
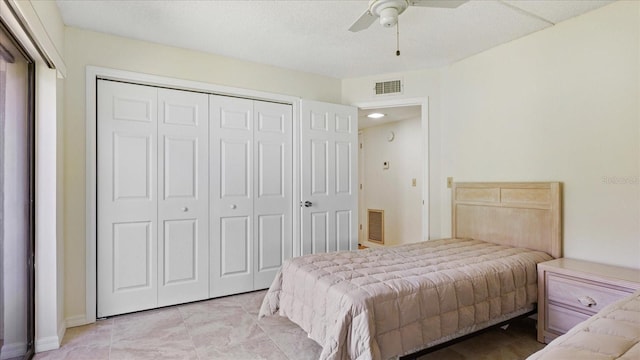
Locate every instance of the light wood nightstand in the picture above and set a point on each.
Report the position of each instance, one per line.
(570, 291)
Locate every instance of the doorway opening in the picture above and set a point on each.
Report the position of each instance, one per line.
(392, 172)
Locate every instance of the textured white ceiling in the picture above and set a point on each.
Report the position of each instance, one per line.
(312, 36)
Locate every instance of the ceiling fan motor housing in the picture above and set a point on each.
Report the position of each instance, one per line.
(388, 10)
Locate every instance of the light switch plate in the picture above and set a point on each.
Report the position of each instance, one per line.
(449, 182)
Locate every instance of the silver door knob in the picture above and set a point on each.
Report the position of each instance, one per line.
(185, 209)
(308, 204)
(233, 206)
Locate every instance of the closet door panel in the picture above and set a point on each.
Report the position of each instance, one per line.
(271, 249)
(235, 161)
(180, 251)
(180, 173)
(132, 165)
(183, 170)
(272, 189)
(271, 168)
(132, 258)
(234, 245)
(231, 201)
(127, 222)
(319, 240)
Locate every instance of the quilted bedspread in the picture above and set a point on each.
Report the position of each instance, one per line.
(384, 302)
(613, 333)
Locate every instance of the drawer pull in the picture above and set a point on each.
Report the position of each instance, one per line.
(587, 301)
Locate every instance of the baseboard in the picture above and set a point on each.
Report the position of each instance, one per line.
(13, 351)
(48, 343)
(51, 342)
(77, 320)
(62, 329)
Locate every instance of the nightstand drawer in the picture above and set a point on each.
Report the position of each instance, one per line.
(589, 296)
(560, 319)
(570, 291)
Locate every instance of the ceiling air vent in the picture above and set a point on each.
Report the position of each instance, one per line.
(388, 87)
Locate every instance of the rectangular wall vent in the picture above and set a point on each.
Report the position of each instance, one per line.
(388, 87)
(376, 226)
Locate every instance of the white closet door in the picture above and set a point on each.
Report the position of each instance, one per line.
(183, 196)
(231, 205)
(127, 202)
(329, 198)
(272, 190)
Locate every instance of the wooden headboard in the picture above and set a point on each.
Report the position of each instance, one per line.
(520, 214)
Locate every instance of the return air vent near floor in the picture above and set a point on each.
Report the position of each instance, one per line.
(388, 87)
(376, 226)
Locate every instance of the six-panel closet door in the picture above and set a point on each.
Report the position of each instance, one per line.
(194, 195)
(329, 177)
(152, 197)
(183, 197)
(250, 184)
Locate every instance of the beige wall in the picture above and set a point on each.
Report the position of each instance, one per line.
(49, 15)
(390, 189)
(89, 48)
(560, 104)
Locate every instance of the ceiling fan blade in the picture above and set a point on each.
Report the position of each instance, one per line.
(364, 21)
(438, 3)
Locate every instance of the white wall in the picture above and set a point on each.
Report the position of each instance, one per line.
(90, 48)
(560, 104)
(391, 189)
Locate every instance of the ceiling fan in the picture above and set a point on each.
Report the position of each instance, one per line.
(388, 11)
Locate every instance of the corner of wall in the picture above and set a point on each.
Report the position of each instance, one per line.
(76, 320)
(48, 343)
(45, 26)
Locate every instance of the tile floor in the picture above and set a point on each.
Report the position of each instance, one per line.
(229, 328)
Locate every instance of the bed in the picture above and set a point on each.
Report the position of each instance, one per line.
(613, 333)
(387, 302)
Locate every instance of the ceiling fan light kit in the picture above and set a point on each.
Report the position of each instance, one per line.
(387, 11)
(389, 17)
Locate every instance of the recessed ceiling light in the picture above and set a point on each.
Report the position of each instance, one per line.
(376, 115)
